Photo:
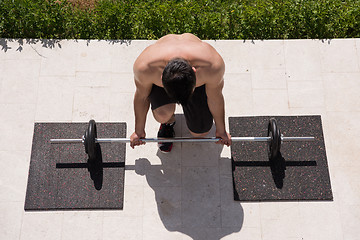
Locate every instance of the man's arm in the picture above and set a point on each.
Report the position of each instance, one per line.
(216, 101)
(141, 108)
(216, 105)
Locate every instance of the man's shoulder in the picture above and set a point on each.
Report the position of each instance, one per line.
(151, 54)
(142, 61)
(204, 51)
(140, 66)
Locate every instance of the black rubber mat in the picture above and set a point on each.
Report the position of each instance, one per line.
(300, 173)
(60, 176)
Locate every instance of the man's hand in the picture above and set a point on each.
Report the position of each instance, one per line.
(225, 138)
(135, 139)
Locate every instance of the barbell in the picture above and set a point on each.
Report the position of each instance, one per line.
(274, 138)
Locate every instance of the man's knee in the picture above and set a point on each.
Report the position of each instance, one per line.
(199, 135)
(164, 114)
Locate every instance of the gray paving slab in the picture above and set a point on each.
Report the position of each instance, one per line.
(74, 80)
(303, 60)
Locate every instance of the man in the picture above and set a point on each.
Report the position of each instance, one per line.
(179, 69)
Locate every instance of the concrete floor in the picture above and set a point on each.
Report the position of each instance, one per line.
(74, 81)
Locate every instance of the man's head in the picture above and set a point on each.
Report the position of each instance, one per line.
(179, 80)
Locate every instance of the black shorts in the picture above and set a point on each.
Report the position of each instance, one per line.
(197, 114)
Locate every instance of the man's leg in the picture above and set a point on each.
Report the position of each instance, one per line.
(165, 113)
(163, 109)
(199, 135)
(197, 114)
(165, 116)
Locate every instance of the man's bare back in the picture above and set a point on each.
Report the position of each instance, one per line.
(203, 57)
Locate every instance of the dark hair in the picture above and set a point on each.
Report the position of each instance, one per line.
(179, 80)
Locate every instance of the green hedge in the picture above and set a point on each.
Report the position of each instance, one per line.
(208, 19)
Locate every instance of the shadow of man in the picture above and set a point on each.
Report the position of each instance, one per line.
(193, 193)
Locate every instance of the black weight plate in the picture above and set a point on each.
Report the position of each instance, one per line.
(275, 143)
(90, 140)
(86, 137)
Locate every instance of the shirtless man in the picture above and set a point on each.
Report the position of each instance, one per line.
(179, 69)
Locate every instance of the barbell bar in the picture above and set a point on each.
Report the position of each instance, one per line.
(274, 138)
(234, 139)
